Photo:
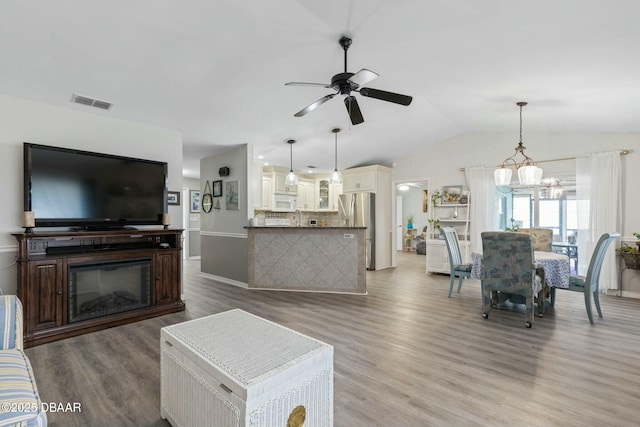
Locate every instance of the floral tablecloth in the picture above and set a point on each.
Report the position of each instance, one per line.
(556, 267)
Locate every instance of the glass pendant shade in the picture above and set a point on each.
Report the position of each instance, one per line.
(502, 176)
(336, 177)
(529, 175)
(292, 178)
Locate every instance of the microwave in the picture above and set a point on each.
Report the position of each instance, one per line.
(285, 203)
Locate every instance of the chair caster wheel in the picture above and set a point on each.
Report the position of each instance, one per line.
(485, 315)
(527, 324)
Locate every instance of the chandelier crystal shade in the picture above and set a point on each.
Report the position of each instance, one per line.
(528, 172)
(292, 178)
(336, 176)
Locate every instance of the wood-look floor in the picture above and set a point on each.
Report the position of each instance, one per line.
(405, 355)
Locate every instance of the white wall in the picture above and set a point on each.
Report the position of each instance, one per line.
(26, 121)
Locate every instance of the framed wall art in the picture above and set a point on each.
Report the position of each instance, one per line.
(173, 198)
(195, 201)
(451, 194)
(231, 195)
(217, 188)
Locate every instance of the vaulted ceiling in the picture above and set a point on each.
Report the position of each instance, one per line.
(214, 70)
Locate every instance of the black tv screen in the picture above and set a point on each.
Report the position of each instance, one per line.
(73, 188)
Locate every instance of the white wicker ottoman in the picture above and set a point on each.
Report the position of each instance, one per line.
(237, 369)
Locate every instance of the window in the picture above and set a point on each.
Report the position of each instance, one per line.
(557, 211)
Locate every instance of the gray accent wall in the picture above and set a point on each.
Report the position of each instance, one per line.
(225, 257)
(223, 236)
(192, 224)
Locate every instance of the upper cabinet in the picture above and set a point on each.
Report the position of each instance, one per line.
(280, 183)
(306, 194)
(314, 192)
(324, 193)
(365, 179)
(335, 192)
(267, 191)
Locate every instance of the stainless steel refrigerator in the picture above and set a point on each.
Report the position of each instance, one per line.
(359, 210)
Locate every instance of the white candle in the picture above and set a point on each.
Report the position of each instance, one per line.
(28, 219)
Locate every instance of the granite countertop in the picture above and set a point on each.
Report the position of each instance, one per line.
(293, 227)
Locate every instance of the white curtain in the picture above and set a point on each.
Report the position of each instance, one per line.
(482, 197)
(599, 200)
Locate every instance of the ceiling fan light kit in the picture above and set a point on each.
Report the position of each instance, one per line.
(345, 83)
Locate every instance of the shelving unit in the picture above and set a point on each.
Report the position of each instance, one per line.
(448, 215)
(408, 239)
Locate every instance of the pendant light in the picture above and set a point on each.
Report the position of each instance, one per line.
(336, 176)
(292, 178)
(528, 172)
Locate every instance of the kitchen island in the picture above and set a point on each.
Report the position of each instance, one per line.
(313, 259)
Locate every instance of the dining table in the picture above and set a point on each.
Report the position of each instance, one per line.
(569, 249)
(556, 267)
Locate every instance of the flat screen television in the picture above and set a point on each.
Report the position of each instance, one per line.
(85, 190)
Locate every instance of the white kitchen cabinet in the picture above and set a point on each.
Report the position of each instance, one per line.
(267, 191)
(306, 194)
(280, 180)
(334, 196)
(323, 194)
(360, 179)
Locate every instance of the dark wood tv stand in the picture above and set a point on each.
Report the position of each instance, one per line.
(44, 261)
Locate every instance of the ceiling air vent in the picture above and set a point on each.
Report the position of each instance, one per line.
(79, 99)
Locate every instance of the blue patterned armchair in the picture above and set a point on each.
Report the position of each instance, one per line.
(509, 268)
(18, 389)
(542, 238)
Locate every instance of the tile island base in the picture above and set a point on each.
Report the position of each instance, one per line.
(312, 259)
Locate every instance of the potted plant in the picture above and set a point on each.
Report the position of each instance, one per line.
(410, 219)
(435, 223)
(630, 255)
(435, 198)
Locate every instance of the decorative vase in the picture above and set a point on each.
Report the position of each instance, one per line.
(409, 226)
(632, 261)
(455, 212)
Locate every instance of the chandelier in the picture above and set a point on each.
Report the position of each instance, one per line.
(528, 172)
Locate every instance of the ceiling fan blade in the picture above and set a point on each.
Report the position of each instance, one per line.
(328, 86)
(313, 106)
(354, 110)
(386, 96)
(363, 76)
